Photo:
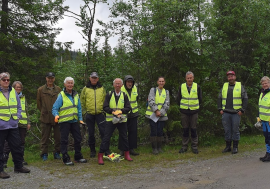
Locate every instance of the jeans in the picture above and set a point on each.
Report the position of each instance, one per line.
(231, 124)
(266, 133)
(156, 128)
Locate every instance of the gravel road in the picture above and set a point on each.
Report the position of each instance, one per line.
(243, 170)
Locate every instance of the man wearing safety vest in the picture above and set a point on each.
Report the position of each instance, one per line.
(232, 103)
(132, 117)
(116, 107)
(189, 99)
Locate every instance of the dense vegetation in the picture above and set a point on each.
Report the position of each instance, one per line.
(156, 37)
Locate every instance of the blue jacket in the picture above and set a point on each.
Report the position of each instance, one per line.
(59, 103)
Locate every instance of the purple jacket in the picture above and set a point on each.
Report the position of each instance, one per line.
(11, 124)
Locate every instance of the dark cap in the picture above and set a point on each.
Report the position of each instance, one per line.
(50, 74)
(230, 73)
(94, 74)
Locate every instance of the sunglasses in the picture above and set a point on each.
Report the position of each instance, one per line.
(5, 80)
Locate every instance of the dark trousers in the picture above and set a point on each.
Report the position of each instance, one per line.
(46, 129)
(13, 138)
(22, 132)
(109, 129)
(189, 123)
(231, 124)
(266, 133)
(132, 133)
(156, 128)
(90, 122)
(74, 129)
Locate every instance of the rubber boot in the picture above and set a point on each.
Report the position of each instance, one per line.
(159, 144)
(267, 158)
(235, 147)
(261, 158)
(127, 156)
(154, 145)
(228, 147)
(100, 159)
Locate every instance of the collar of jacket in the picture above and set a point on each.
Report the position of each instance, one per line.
(73, 92)
(265, 90)
(89, 85)
(9, 88)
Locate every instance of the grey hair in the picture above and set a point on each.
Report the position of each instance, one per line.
(4, 74)
(69, 79)
(188, 73)
(17, 82)
(265, 78)
(120, 79)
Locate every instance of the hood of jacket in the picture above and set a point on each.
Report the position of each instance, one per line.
(128, 77)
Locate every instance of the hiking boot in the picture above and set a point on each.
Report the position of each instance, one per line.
(21, 170)
(24, 163)
(68, 162)
(92, 154)
(235, 147)
(261, 158)
(131, 152)
(228, 147)
(182, 150)
(81, 160)
(56, 155)
(121, 153)
(154, 145)
(267, 158)
(4, 175)
(44, 157)
(195, 151)
(159, 144)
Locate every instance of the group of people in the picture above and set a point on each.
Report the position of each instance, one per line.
(63, 110)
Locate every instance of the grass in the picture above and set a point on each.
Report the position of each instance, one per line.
(145, 161)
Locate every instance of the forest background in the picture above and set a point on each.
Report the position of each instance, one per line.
(156, 38)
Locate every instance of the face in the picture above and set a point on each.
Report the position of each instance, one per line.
(161, 82)
(129, 84)
(231, 78)
(117, 85)
(69, 85)
(189, 79)
(94, 80)
(18, 88)
(265, 85)
(50, 80)
(5, 82)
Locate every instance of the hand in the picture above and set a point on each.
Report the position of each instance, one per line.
(258, 119)
(239, 113)
(28, 127)
(221, 112)
(56, 118)
(81, 122)
(158, 113)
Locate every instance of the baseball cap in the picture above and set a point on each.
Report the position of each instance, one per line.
(230, 73)
(94, 74)
(50, 74)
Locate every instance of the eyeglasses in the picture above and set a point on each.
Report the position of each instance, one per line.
(5, 80)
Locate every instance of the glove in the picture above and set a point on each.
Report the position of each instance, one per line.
(117, 113)
(258, 119)
(56, 118)
(81, 122)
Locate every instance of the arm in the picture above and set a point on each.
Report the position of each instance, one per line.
(166, 105)
(179, 96)
(127, 106)
(57, 105)
(244, 99)
(82, 100)
(219, 101)
(106, 107)
(28, 120)
(79, 110)
(39, 103)
(151, 100)
(19, 107)
(199, 91)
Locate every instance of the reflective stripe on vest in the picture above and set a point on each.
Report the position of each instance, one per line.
(120, 105)
(264, 107)
(23, 120)
(189, 100)
(159, 101)
(237, 100)
(69, 110)
(132, 98)
(8, 108)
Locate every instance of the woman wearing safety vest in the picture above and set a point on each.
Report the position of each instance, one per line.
(10, 113)
(264, 115)
(158, 105)
(24, 122)
(67, 111)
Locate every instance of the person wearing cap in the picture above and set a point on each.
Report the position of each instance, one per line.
(46, 96)
(189, 99)
(132, 117)
(67, 111)
(10, 114)
(116, 106)
(92, 99)
(232, 103)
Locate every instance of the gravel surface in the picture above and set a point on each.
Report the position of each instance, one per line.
(242, 170)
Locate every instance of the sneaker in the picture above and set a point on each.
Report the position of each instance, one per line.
(182, 150)
(68, 162)
(44, 157)
(4, 175)
(81, 160)
(21, 170)
(56, 155)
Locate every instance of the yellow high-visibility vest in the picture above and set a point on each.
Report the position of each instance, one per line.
(23, 120)
(237, 100)
(159, 101)
(189, 100)
(8, 108)
(120, 105)
(132, 98)
(264, 107)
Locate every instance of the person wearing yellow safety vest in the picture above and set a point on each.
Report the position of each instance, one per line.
(232, 103)
(189, 99)
(92, 99)
(156, 112)
(10, 114)
(264, 115)
(24, 122)
(132, 117)
(116, 107)
(67, 111)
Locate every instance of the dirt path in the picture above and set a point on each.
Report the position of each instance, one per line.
(242, 170)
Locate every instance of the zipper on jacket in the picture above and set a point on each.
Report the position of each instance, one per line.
(95, 102)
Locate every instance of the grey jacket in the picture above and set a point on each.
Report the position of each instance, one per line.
(153, 105)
